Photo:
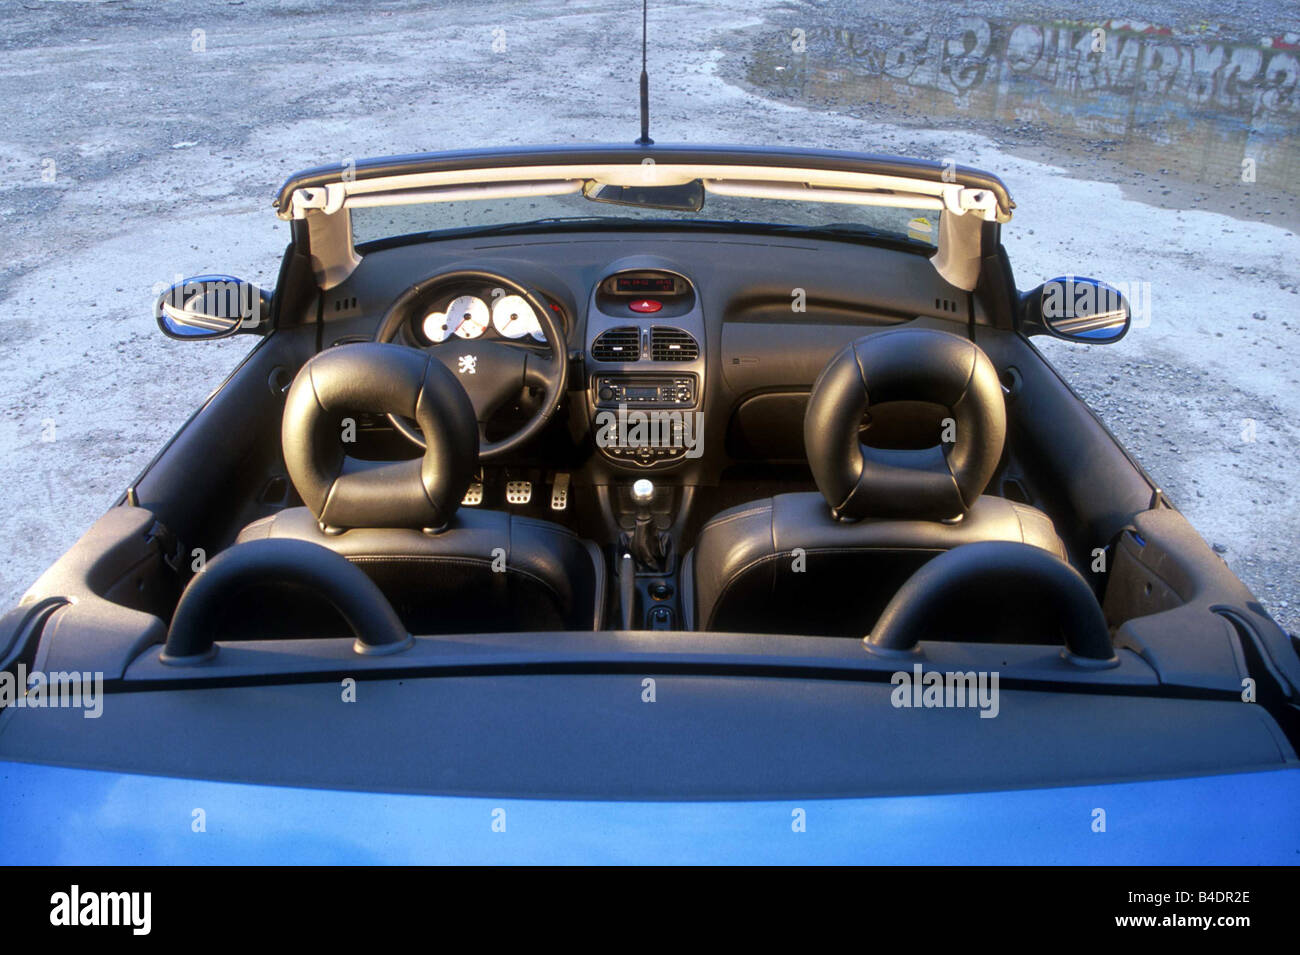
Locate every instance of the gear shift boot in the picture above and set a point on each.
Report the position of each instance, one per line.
(649, 546)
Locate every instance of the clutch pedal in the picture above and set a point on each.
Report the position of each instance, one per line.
(473, 495)
(519, 492)
(560, 492)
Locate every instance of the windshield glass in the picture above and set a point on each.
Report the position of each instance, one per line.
(920, 226)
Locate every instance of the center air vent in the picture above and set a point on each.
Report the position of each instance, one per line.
(617, 344)
(672, 344)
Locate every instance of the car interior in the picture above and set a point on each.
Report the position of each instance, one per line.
(817, 435)
(810, 463)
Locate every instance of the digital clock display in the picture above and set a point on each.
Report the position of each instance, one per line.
(637, 284)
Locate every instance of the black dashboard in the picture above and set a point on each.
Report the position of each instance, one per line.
(722, 336)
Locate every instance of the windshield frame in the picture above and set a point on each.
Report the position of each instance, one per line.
(900, 243)
(964, 198)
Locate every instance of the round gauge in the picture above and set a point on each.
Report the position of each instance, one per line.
(513, 317)
(468, 316)
(436, 327)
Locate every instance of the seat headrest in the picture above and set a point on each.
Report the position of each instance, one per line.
(350, 380)
(905, 364)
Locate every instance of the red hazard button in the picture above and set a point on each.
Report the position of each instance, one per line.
(645, 305)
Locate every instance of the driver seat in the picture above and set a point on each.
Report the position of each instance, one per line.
(444, 570)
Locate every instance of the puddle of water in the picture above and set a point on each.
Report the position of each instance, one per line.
(1217, 113)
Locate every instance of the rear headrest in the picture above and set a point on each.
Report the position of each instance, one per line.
(905, 364)
(349, 380)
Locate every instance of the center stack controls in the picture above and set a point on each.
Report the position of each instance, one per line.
(645, 334)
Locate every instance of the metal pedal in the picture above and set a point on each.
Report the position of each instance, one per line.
(473, 495)
(560, 492)
(519, 492)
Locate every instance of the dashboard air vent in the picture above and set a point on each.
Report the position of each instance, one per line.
(672, 344)
(617, 344)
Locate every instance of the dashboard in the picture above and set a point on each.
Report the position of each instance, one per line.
(725, 333)
(643, 360)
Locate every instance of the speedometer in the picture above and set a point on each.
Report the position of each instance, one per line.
(513, 317)
(468, 316)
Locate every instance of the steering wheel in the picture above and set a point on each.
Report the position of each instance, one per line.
(491, 372)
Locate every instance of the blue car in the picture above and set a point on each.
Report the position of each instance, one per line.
(645, 503)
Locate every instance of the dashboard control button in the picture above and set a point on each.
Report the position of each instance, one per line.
(645, 305)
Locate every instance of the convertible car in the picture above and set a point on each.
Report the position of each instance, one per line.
(645, 503)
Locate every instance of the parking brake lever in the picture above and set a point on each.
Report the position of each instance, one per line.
(627, 590)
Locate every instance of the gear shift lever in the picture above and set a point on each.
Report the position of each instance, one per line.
(648, 545)
(643, 492)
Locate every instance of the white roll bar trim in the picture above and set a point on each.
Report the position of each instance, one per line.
(334, 257)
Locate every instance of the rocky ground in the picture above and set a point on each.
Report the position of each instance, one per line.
(143, 142)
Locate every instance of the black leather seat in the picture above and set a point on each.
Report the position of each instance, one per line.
(444, 570)
(827, 563)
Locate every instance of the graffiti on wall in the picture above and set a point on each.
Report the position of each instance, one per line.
(1203, 106)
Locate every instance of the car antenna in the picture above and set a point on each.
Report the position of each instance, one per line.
(645, 139)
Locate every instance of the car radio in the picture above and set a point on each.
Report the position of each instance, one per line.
(672, 391)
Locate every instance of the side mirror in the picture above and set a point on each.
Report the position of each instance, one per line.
(212, 306)
(1076, 309)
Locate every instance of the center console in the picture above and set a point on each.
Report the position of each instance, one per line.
(645, 362)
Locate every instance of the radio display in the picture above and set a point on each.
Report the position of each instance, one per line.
(651, 392)
(644, 283)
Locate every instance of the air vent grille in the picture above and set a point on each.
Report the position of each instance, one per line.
(617, 344)
(672, 344)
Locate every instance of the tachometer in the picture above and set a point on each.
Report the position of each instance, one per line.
(436, 327)
(513, 317)
(468, 316)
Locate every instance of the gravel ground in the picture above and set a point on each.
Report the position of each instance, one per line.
(143, 142)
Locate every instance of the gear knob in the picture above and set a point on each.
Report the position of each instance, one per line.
(643, 491)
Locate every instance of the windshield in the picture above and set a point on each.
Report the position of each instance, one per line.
(381, 222)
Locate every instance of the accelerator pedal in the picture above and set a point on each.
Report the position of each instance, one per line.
(560, 492)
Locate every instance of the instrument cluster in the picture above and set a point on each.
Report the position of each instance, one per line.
(474, 313)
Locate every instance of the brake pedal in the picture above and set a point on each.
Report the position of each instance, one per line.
(473, 495)
(560, 492)
(519, 492)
